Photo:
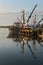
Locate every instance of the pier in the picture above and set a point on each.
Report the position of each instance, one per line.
(4, 26)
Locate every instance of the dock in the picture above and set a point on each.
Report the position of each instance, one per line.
(4, 26)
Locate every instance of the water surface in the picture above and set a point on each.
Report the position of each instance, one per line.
(16, 53)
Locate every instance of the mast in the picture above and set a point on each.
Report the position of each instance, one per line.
(23, 16)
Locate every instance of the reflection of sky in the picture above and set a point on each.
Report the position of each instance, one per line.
(10, 53)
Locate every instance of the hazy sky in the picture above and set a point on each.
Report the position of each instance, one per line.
(16, 5)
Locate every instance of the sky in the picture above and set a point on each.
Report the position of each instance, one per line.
(17, 5)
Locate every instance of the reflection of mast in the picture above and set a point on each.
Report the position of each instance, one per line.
(31, 50)
(40, 44)
(22, 48)
(33, 41)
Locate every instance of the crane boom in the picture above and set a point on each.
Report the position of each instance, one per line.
(31, 13)
(38, 23)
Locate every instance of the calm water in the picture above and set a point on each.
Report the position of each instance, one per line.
(16, 53)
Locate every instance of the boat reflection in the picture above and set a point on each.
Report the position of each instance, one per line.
(24, 40)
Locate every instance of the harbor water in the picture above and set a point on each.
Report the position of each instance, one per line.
(16, 53)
